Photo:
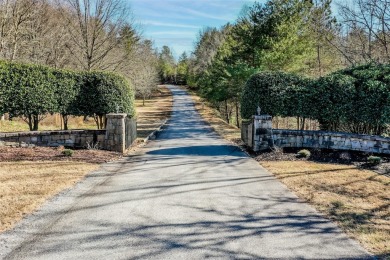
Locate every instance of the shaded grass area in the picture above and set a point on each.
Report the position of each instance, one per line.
(357, 199)
(156, 110)
(24, 186)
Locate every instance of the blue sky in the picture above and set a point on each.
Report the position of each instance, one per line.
(176, 23)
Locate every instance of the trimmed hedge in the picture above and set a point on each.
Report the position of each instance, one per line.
(28, 91)
(277, 94)
(354, 100)
(32, 91)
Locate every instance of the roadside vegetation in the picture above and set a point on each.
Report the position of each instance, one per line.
(347, 190)
(30, 176)
(305, 40)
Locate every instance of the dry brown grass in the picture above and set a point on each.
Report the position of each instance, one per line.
(155, 111)
(51, 122)
(210, 115)
(25, 186)
(358, 200)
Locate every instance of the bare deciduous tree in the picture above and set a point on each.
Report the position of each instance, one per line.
(94, 26)
(365, 31)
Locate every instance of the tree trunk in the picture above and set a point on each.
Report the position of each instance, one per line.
(319, 60)
(303, 123)
(226, 111)
(36, 122)
(29, 121)
(237, 115)
(65, 119)
(96, 118)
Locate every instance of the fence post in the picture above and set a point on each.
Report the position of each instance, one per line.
(115, 139)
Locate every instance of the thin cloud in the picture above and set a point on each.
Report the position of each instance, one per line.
(177, 25)
(206, 15)
(173, 33)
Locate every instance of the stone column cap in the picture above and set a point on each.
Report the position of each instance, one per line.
(115, 115)
(262, 117)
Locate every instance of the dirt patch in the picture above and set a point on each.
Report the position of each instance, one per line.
(25, 185)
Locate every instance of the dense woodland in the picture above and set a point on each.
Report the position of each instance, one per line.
(302, 37)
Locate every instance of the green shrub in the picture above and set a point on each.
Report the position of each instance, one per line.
(103, 93)
(277, 94)
(374, 160)
(304, 153)
(333, 98)
(28, 91)
(355, 100)
(32, 91)
(67, 89)
(67, 152)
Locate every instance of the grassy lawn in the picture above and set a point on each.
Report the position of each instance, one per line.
(26, 185)
(357, 200)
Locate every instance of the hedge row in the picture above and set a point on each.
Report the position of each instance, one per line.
(356, 99)
(32, 91)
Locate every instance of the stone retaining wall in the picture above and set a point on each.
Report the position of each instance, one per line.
(330, 140)
(118, 136)
(259, 135)
(70, 138)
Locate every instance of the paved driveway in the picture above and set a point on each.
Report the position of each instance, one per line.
(188, 195)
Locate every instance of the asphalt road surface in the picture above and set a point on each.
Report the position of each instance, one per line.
(188, 195)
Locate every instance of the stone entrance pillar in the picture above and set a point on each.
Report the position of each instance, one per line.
(262, 133)
(115, 139)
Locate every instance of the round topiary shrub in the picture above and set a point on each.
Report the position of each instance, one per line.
(304, 153)
(277, 94)
(374, 160)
